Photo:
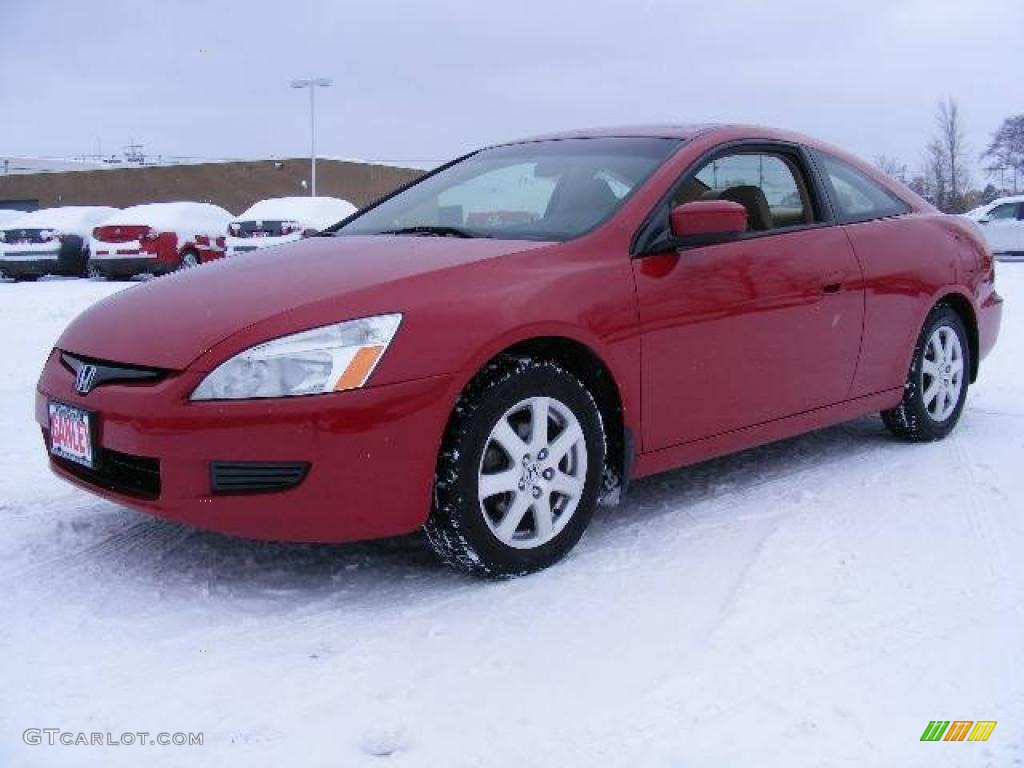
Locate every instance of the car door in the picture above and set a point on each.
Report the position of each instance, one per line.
(762, 327)
(1002, 227)
(904, 259)
(1018, 241)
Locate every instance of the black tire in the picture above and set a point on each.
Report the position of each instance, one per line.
(910, 420)
(189, 260)
(457, 529)
(83, 263)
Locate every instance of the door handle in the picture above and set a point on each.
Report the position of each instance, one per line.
(833, 283)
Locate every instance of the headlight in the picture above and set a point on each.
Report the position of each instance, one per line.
(327, 359)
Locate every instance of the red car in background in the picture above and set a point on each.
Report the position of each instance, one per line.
(157, 238)
(491, 350)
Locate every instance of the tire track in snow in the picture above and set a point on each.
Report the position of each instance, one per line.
(979, 513)
(152, 536)
(705, 510)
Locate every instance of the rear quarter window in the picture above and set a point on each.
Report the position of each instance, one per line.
(855, 195)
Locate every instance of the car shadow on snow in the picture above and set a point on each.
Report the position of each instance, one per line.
(175, 558)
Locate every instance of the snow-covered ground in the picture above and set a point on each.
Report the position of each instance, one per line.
(811, 603)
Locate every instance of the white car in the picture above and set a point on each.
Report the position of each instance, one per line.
(50, 241)
(1002, 221)
(157, 238)
(284, 220)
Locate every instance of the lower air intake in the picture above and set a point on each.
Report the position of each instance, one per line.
(256, 476)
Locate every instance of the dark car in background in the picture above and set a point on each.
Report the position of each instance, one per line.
(51, 241)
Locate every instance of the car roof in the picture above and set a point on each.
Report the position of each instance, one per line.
(682, 131)
(1005, 200)
(720, 133)
(665, 131)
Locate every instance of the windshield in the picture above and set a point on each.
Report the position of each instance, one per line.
(545, 190)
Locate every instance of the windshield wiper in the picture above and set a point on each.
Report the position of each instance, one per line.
(431, 230)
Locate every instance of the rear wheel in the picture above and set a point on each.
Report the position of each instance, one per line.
(519, 472)
(936, 388)
(83, 271)
(189, 259)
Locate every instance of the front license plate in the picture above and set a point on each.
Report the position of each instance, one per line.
(71, 434)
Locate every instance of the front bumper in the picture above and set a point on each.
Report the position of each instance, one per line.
(370, 453)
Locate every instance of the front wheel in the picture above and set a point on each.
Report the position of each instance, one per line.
(936, 388)
(519, 471)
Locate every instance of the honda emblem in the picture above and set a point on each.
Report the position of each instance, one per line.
(85, 378)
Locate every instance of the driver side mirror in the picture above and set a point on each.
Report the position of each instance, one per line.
(984, 220)
(704, 222)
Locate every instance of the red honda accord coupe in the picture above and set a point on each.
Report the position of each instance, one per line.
(488, 352)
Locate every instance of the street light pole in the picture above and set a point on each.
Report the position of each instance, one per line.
(312, 84)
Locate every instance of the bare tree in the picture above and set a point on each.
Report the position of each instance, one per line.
(891, 166)
(951, 144)
(934, 184)
(1006, 152)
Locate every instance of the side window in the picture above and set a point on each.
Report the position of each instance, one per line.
(856, 195)
(771, 187)
(1005, 211)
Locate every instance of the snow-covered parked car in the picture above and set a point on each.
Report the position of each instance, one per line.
(7, 216)
(283, 220)
(50, 241)
(157, 238)
(1002, 222)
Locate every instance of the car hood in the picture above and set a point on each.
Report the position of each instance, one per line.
(171, 321)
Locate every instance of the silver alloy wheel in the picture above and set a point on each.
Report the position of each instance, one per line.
(532, 472)
(942, 373)
(189, 260)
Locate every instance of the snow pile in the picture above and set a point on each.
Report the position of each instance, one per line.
(8, 217)
(309, 212)
(811, 603)
(70, 219)
(172, 217)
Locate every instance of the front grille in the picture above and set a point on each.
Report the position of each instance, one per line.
(256, 476)
(137, 476)
(107, 372)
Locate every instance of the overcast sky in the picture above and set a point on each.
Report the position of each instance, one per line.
(428, 80)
